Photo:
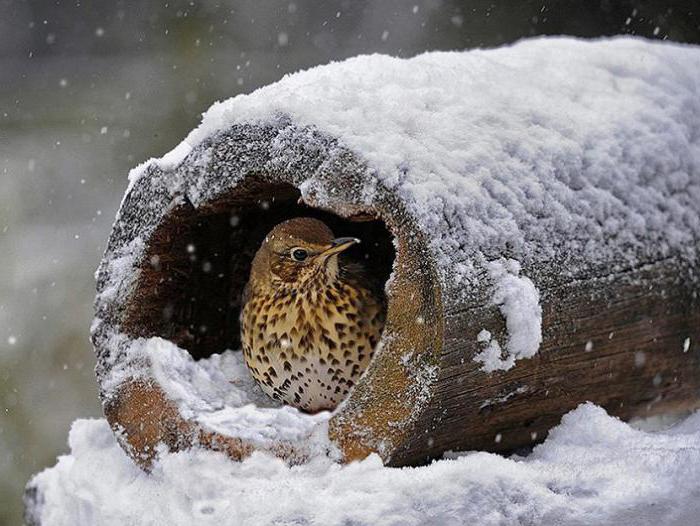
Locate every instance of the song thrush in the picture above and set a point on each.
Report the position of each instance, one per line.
(310, 319)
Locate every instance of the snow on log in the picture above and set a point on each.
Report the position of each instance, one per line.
(534, 211)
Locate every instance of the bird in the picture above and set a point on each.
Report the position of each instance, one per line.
(310, 318)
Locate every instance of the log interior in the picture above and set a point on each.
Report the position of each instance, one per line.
(198, 262)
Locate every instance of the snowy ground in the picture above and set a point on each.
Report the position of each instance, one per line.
(593, 469)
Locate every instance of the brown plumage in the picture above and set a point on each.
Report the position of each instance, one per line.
(310, 321)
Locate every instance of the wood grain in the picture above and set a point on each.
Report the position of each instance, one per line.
(634, 325)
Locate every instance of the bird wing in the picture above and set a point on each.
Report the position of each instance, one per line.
(357, 274)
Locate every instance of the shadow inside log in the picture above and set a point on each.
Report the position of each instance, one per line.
(198, 262)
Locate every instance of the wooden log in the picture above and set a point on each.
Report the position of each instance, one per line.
(617, 340)
(620, 311)
(169, 287)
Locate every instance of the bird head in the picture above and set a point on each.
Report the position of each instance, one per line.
(298, 251)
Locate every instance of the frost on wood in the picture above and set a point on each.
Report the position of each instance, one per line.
(519, 303)
(592, 469)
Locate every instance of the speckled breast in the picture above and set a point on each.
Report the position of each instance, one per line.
(308, 349)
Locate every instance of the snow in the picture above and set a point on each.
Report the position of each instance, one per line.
(219, 393)
(592, 469)
(519, 302)
(169, 161)
(120, 265)
(549, 147)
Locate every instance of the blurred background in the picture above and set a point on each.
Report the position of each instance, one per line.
(90, 89)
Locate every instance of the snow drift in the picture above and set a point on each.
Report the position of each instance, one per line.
(593, 469)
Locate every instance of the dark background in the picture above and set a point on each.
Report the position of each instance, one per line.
(90, 89)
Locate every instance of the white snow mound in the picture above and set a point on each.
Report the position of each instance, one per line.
(220, 394)
(519, 303)
(593, 469)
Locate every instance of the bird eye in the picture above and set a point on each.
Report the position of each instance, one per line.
(299, 254)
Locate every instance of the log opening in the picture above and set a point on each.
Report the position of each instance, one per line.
(179, 257)
(198, 262)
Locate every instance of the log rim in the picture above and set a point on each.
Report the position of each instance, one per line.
(379, 414)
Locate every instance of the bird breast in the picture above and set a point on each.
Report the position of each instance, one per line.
(308, 349)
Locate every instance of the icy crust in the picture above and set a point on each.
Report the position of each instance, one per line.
(592, 469)
(586, 151)
(218, 393)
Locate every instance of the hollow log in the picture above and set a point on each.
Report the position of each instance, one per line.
(587, 175)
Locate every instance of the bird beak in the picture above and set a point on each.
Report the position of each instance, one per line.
(340, 244)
